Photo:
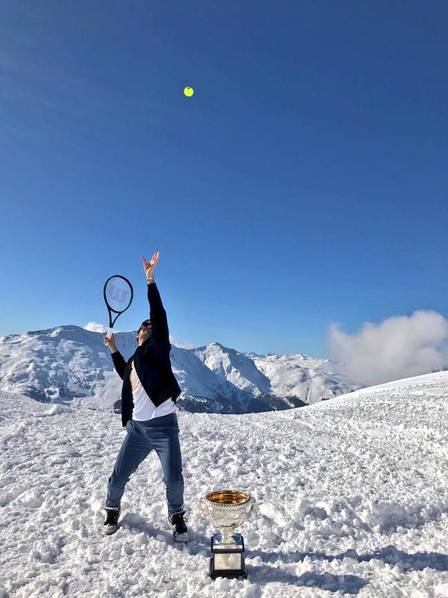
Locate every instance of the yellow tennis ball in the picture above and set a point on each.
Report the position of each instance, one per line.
(188, 91)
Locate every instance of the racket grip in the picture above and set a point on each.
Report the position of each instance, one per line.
(109, 332)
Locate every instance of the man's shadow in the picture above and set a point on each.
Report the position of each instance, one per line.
(348, 584)
(390, 555)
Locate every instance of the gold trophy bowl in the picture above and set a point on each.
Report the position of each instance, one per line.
(227, 509)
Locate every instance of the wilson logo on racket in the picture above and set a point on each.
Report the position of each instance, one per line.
(118, 294)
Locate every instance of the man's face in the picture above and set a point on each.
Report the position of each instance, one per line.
(144, 332)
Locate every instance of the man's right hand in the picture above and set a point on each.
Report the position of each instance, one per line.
(110, 342)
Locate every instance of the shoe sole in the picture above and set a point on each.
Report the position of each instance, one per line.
(181, 537)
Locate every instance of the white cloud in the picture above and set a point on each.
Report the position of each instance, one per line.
(398, 347)
(95, 327)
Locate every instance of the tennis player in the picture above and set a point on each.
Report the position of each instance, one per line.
(148, 412)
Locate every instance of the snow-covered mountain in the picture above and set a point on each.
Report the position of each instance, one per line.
(69, 362)
(351, 498)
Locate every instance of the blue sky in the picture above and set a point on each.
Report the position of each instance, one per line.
(305, 183)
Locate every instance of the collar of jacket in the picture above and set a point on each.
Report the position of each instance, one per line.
(149, 342)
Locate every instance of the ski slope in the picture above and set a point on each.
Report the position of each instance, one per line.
(352, 499)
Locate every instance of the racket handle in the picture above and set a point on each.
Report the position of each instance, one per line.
(109, 332)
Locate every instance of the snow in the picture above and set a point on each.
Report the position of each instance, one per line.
(351, 499)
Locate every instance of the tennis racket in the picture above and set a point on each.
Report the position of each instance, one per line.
(118, 294)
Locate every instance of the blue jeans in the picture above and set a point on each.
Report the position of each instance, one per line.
(162, 435)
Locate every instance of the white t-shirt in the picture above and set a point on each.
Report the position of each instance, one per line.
(144, 408)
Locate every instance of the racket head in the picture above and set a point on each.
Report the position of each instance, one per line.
(118, 294)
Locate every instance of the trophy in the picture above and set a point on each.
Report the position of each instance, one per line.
(227, 509)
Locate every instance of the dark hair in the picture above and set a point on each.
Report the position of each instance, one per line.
(144, 323)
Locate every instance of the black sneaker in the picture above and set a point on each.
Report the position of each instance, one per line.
(180, 533)
(111, 523)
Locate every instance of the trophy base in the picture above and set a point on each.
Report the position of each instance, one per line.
(227, 559)
(229, 573)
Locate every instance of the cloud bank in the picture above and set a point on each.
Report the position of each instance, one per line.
(398, 347)
(180, 344)
(95, 327)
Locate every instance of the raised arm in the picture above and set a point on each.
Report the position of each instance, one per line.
(157, 312)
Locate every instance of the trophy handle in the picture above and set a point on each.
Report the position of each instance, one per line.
(253, 506)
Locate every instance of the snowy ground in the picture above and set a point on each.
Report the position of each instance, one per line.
(352, 499)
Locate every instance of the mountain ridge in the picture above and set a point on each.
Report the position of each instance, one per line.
(68, 362)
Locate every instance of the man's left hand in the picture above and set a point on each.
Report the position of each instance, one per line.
(148, 267)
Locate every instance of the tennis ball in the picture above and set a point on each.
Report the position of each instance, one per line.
(188, 91)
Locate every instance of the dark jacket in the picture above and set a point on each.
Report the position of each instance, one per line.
(151, 361)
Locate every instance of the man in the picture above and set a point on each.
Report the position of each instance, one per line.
(148, 412)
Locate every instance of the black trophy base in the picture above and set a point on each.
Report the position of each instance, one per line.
(227, 560)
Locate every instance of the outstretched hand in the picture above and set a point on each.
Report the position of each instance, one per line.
(148, 267)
